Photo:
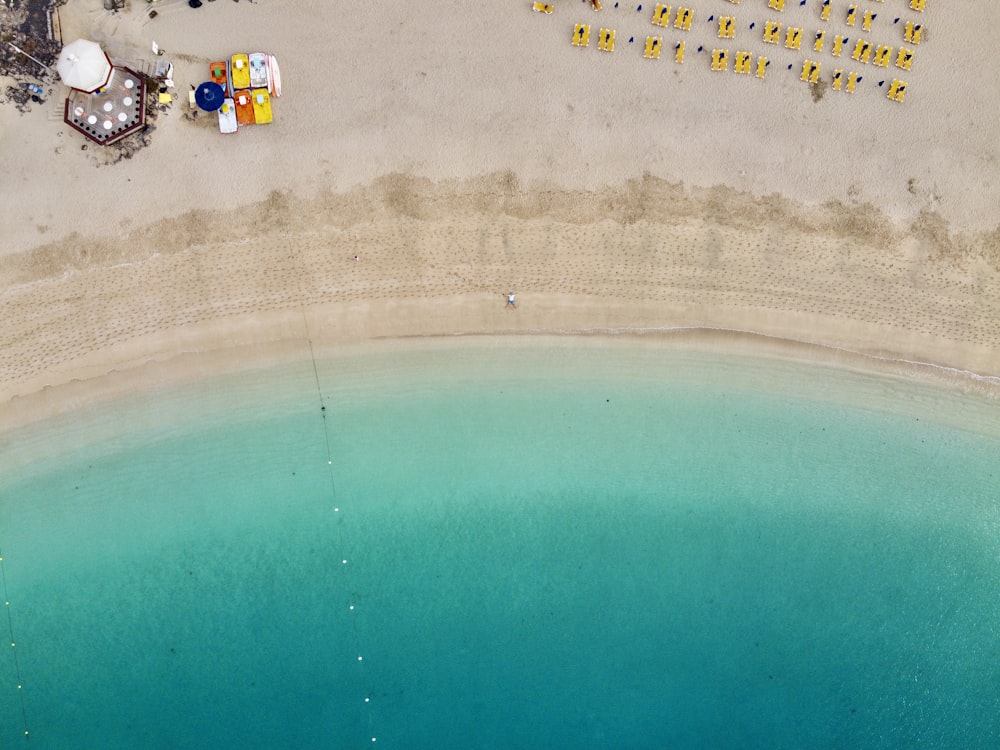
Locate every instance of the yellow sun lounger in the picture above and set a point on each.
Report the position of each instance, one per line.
(581, 35)
(653, 46)
(771, 31)
(838, 45)
(683, 19)
(778, 5)
(679, 52)
(852, 81)
(720, 59)
(727, 27)
(825, 11)
(735, 2)
(897, 90)
(905, 58)
(866, 22)
(862, 51)
(541, 8)
(793, 39)
(810, 71)
(606, 41)
(818, 43)
(918, 5)
(762, 64)
(912, 32)
(852, 15)
(743, 60)
(661, 15)
(882, 54)
(838, 79)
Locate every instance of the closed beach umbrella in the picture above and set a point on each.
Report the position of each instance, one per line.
(209, 96)
(83, 65)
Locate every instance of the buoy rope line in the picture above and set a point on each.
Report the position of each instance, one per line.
(365, 678)
(13, 648)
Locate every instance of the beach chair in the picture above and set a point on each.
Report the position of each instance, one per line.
(818, 44)
(762, 64)
(606, 41)
(541, 8)
(838, 79)
(824, 12)
(793, 38)
(912, 32)
(720, 59)
(852, 15)
(778, 5)
(852, 81)
(743, 60)
(918, 5)
(653, 46)
(581, 35)
(897, 90)
(661, 15)
(684, 19)
(727, 27)
(905, 58)
(735, 2)
(810, 72)
(866, 21)
(679, 52)
(771, 31)
(882, 53)
(838, 45)
(862, 51)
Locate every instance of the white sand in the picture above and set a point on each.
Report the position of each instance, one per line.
(463, 153)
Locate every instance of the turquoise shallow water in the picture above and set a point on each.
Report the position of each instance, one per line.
(545, 547)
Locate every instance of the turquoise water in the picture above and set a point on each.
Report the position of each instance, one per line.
(545, 547)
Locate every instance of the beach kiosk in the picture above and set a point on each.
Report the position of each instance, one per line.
(105, 102)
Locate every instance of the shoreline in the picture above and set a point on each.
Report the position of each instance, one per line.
(190, 366)
(209, 389)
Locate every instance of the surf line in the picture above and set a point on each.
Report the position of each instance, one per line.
(13, 647)
(365, 677)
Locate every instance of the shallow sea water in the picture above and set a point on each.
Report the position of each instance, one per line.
(596, 547)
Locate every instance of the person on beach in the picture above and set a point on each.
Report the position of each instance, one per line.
(510, 301)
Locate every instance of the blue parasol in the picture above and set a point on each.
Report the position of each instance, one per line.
(209, 96)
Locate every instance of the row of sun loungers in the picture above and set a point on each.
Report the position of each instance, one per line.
(654, 44)
(810, 73)
(727, 24)
(682, 21)
(685, 16)
(744, 62)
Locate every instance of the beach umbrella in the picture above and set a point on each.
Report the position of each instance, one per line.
(209, 96)
(83, 65)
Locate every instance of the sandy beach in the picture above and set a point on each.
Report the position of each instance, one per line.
(462, 154)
